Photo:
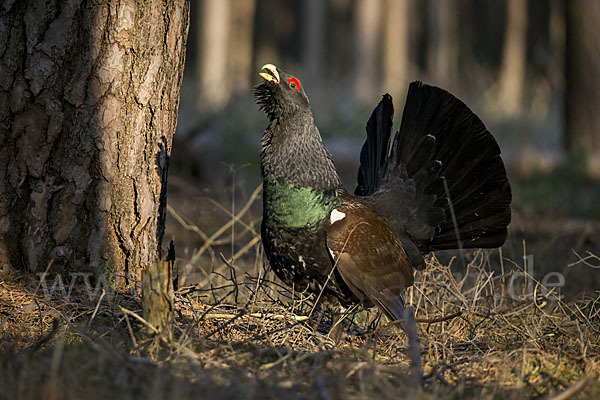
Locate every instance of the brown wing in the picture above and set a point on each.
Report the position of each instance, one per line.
(369, 256)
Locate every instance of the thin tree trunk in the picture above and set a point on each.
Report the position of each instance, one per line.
(88, 107)
(513, 68)
(556, 34)
(212, 73)
(241, 44)
(582, 134)
(313, 39)
(396, 47)
(367, 17)
(442, 49)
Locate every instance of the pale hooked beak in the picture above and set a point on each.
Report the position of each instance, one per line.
(271, 74)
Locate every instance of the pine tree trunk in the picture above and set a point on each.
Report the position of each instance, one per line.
(88, 105)
(582, 135)
(313, 40)
(442, 49)
(241, 45)
(556, 35)
(367, 17)
(396, 48)
(512, 71)
(212, 72)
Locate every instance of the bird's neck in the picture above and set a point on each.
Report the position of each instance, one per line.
(293, 152)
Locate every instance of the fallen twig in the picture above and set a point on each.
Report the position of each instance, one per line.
(258, 315)
(95, 310)
(142, 320)
(428, 321)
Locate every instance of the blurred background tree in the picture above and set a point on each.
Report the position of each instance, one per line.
(506, 59)
(582, 133)
(511, 79)
(529, 69)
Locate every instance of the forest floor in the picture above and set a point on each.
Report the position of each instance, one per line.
(239, 338)
(487, 324)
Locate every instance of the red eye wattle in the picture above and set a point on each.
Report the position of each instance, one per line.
(294, 84)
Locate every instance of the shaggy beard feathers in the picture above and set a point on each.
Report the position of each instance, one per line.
(266, 101)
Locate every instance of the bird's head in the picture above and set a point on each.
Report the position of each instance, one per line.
(281, 94)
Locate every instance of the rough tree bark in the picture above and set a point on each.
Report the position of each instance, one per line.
(89, 93)
(582, 130)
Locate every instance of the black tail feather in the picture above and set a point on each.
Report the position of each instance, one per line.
(373, 155)
(440, 138)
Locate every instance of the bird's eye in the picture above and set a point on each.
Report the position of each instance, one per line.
(294, 83)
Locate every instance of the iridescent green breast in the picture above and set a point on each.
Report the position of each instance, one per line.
(289, 206)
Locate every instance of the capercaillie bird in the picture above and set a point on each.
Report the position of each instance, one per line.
(439, 184)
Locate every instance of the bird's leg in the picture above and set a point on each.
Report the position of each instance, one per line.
(337, 326)
(339, 313)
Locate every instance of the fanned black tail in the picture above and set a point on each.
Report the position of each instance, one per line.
(443, 183)
(374, 153)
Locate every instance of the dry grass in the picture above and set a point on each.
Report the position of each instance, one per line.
(241, 334)
(245, 336)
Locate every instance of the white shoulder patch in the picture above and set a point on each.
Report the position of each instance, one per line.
(336, 216)
(331, 252)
